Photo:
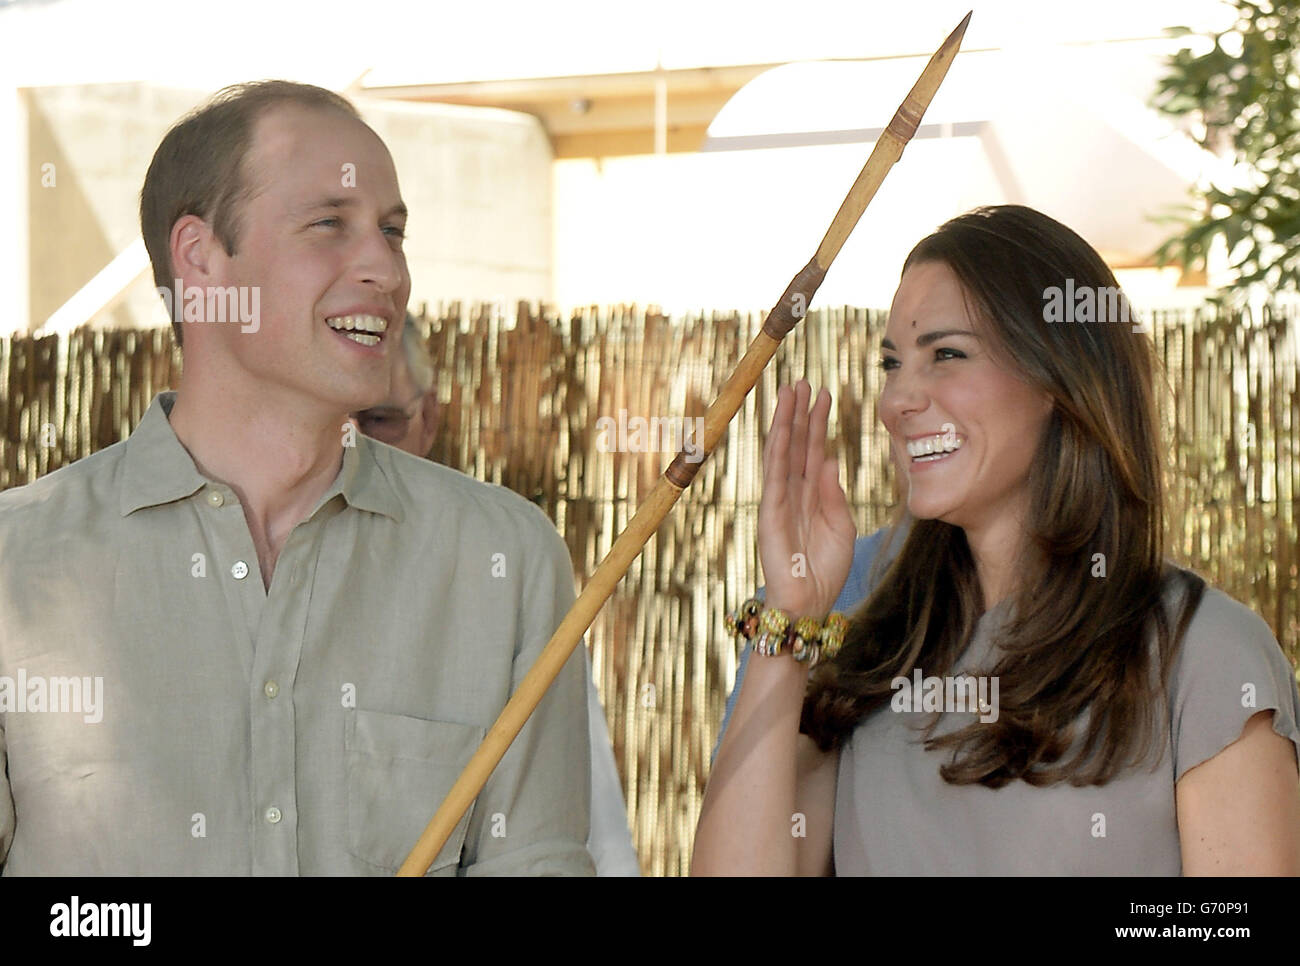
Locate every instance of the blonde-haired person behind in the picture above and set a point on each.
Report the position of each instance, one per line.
(1033, 557)
(409, 420)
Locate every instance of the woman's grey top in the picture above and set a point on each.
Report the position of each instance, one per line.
(894, 815)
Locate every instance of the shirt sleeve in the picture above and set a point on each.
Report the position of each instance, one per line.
(1229, 668)
(610, 840)
(532, 816)
(6, 804)
(7, 813)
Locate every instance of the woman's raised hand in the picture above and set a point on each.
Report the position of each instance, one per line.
(805, 530)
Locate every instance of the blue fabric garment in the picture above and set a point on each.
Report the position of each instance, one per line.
(855, 591)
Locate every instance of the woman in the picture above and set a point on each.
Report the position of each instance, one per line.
(1130, 719)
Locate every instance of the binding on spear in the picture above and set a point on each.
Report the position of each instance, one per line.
(679, 474)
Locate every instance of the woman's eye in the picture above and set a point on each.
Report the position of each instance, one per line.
(945, 353)
(888, 362)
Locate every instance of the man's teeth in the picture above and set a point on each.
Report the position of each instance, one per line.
(362, 338)
(349, 324)
(930, 448)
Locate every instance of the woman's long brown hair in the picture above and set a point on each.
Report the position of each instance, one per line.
(1079, 677)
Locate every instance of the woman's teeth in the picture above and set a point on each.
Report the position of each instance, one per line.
(927, 449)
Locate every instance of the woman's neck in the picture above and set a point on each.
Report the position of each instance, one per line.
(1000, 559)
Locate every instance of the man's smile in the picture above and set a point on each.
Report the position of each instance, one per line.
(365, 329)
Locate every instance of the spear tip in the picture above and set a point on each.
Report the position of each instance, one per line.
(954, 38)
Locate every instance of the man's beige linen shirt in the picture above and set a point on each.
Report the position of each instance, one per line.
(312, 729)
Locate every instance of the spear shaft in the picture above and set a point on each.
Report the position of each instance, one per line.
(787, 312)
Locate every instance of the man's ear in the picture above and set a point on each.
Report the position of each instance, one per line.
(192, 247)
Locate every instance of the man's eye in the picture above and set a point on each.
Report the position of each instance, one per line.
(888, 362)
(396, 231)
(329, 222)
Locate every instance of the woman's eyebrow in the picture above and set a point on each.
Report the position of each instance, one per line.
(925, 338)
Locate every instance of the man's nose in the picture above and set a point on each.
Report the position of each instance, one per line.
(379, 264)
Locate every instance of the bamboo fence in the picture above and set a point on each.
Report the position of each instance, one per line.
(535, 401)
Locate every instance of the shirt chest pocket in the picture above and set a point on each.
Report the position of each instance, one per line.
(399, 769)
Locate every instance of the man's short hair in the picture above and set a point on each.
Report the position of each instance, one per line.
(198, 168)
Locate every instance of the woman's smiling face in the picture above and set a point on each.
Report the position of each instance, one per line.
(964, 427)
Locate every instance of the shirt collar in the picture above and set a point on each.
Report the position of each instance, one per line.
(158, 469)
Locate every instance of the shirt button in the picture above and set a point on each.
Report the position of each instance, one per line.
(273, 815)
(215, 498)
(240, 570)
(271, 689)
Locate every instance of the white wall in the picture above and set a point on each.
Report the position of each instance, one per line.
(99, 138)
(477, 182)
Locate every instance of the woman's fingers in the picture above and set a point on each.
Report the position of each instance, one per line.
(776, 460)
(834, 503)
(796, 442)
(799, 432)
(803, 509)
(817, 420)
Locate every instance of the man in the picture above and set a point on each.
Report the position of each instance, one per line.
(299, 636)
(408, 419)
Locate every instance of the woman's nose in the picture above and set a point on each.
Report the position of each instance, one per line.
(903, 395)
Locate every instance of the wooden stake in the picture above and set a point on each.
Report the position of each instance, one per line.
(787, 312)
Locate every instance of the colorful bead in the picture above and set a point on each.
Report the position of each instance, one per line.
(832, 634)
(808, 628)
(744, 621)
(775, 622)
(768, 644)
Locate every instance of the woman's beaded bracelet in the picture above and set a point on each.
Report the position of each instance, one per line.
(772, 627)
(771, 632)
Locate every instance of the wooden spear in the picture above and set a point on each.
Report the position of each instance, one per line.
(650, 514)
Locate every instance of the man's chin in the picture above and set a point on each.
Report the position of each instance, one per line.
(361, 395)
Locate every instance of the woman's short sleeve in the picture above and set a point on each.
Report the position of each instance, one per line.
(1229, 668)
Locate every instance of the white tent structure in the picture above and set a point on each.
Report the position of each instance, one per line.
(1068, 131)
